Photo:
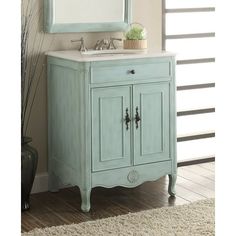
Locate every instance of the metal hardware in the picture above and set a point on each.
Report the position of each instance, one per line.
(111, 44)
(96, 45)
(131, 72)
(127, 119)
(106, 44)
(82, 47)
(101, 44)
(137, 118)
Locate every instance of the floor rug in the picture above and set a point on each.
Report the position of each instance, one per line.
(194, 219)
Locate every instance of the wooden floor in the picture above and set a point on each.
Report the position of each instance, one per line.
(194, 183)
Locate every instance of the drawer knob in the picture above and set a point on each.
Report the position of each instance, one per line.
(131, 72)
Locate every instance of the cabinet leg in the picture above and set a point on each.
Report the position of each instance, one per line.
(171, 187)
(85, 198)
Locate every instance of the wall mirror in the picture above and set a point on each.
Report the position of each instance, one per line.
(61, 16)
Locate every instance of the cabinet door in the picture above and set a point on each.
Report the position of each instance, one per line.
(110, 134)
(151, 133)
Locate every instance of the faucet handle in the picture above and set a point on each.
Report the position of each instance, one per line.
(105, 44)
(101, 44)
(82, 47)
(111, 43)
(97, 45)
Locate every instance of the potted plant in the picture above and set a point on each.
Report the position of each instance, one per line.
(136, 37)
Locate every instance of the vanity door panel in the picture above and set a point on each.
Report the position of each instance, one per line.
(151, 124)
(110, 134)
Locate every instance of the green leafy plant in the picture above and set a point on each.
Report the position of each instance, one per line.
(136, 33)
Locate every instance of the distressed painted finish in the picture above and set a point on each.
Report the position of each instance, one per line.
(111, 144)
(171, 187)
(131, 176)
(110, 72)
(151, 134)
(51, 27)
(89, 143)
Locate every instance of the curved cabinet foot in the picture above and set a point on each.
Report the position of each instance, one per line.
(171, 187)
(85, 198)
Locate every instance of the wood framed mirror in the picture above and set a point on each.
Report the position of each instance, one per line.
(61, 16)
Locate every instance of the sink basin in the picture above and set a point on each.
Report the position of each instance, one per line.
(112, 52)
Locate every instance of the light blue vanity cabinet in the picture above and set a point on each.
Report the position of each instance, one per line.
(111, 121)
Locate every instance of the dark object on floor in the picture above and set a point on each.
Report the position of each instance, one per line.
(29, 161)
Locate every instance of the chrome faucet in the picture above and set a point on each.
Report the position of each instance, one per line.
(97, 45)
(82, 47)
(111, 44)
(106, 44)
(101, 44)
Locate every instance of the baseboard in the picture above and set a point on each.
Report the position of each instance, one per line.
(40, 183)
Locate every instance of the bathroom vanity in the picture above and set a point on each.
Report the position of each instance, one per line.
(111, 120)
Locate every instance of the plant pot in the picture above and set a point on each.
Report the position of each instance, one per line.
(135, 44)
(29, 162)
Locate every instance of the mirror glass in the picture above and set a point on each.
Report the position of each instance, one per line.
(89, 11)
(86, 15)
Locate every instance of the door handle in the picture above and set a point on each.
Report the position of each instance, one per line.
(127, 118)
(131, 72)
(137, 118)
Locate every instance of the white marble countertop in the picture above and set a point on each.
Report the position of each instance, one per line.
(75, 55)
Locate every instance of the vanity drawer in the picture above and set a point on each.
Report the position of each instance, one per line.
(117, 73)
